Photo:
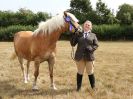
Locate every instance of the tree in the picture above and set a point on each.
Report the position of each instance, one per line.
(25, 11)
(6, 18)
(104, 15)
(125, 14)
(22, 17)
(82, 9)
(42, 16)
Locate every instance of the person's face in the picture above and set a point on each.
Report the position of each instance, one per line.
(87, 26)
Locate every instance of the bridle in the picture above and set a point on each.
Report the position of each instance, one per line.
(68, 20)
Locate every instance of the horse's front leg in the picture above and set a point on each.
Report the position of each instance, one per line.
(27, 73)
(51, 63)
(22, 68)
(36, 73)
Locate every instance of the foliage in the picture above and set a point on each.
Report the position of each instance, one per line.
(103, 32)
(22, 17)
(82, 9)
(104, 15)
(7, 33)
(114, 32)
(125, 14)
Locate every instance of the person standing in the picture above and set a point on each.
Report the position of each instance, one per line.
(87, 43)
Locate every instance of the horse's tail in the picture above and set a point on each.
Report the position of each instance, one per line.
(13, 56)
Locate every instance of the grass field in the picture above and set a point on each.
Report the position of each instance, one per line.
(113, 71)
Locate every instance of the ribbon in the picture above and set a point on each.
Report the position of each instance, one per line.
(70, 27)
(68, 19)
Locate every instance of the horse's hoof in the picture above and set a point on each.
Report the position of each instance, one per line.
(35, 88)
(25, 81)
(54, 88)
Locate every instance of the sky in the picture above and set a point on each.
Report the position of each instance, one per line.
(53, 6)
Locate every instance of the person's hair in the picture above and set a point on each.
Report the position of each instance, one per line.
(88, 21)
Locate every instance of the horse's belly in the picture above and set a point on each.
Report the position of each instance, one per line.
(45, 57)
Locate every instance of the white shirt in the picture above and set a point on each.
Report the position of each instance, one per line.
(86, 34)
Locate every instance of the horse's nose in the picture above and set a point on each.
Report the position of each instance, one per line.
(80, 29)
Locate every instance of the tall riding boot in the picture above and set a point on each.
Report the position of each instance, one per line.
(79, 81)
(92, 80)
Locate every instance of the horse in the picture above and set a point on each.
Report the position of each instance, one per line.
(40, 45)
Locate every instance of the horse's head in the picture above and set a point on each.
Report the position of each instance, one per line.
(72, 21)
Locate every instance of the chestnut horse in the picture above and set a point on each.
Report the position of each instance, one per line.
(40, 45)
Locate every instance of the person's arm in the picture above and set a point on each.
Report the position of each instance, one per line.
(74, 39)
(95, 43)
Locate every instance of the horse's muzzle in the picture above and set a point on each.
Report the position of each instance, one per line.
(78, 30)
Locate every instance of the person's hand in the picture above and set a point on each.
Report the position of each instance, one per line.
(89, 49)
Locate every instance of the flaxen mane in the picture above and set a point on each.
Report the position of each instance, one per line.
(53, 24)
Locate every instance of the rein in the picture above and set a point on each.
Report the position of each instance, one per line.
(73, 53)
(68, 19)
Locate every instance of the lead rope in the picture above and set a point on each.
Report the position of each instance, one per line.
(76, 29)
(73, 53)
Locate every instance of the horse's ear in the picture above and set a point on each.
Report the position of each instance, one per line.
(65, 13)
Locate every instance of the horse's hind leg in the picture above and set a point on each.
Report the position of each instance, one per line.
(51, 63)
(22, 68)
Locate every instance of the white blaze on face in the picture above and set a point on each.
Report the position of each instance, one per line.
(72, 17)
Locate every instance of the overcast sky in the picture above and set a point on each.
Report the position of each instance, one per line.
(53, 6)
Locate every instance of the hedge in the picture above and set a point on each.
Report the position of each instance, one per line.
(7, 34)
(103, 32)
(113, 32)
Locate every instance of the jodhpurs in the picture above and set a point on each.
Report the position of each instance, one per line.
(82, 64)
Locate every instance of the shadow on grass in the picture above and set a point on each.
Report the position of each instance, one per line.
(8, 89)
(45, 92)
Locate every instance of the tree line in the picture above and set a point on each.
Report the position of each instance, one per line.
(102, 14)
(22, 17)
(107, 24)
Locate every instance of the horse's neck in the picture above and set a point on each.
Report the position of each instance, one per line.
(55, 35)
(50, 38)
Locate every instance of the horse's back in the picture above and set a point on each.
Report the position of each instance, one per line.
(24, 34)
(22, 42)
